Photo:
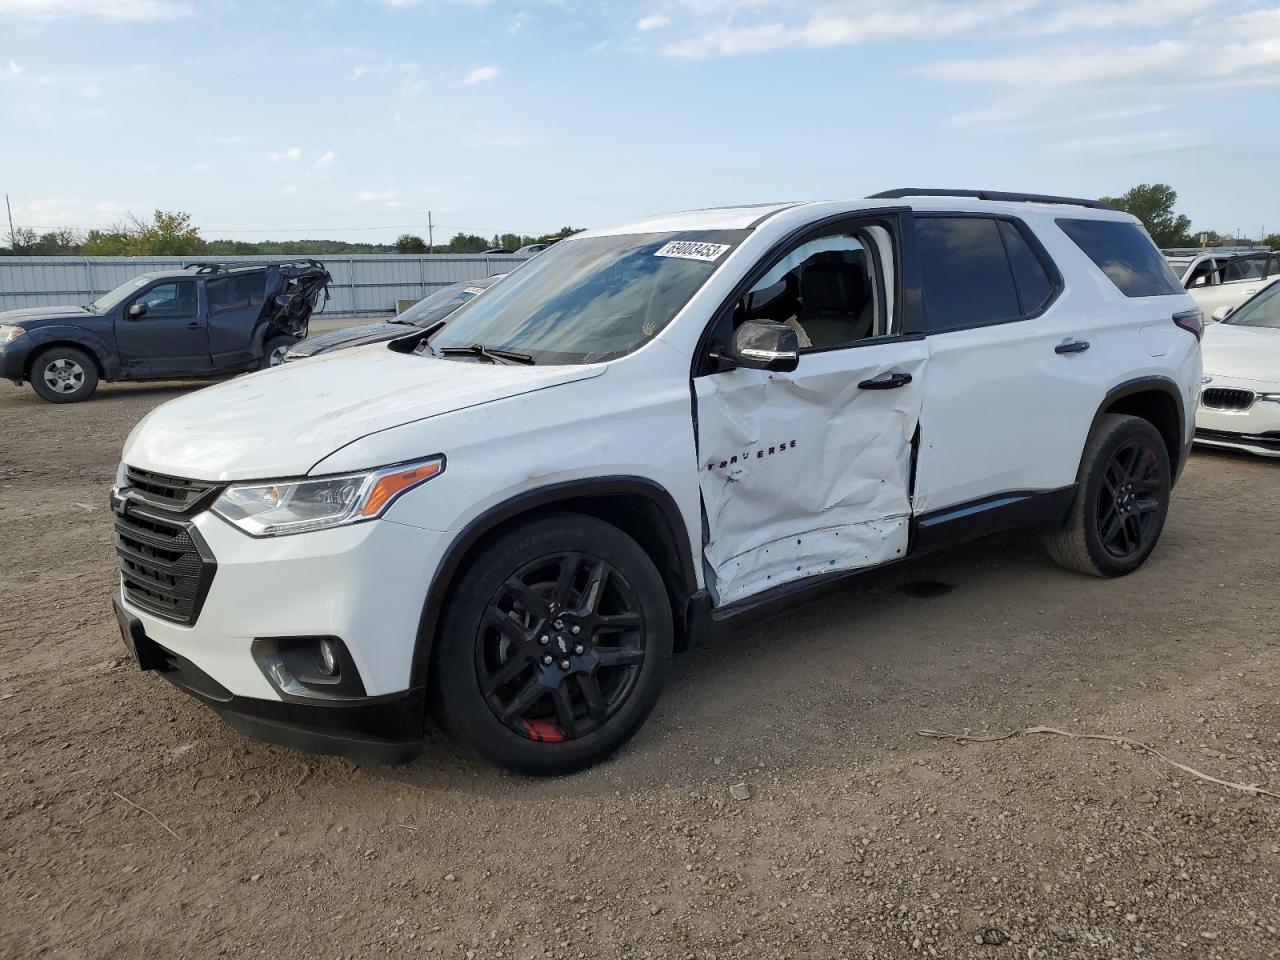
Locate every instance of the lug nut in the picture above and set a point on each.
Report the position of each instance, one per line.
(578, 649)
(544, 640)
(575, 629)
(546, 661)
(564, 664)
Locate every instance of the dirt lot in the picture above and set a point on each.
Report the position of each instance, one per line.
(862, 839)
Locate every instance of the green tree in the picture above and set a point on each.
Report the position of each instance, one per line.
(467, 243)
(106, 243)
(1272, 240)
(410, 243)
(166, 234)
(1153, 204)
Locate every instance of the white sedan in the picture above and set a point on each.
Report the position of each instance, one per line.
(1240, 399)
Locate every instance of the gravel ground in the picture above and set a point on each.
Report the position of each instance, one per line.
(133, 823)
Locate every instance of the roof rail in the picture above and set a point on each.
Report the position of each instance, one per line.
(223, 267)
(988, 195)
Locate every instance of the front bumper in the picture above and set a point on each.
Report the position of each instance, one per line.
(1254, 429)
(13, 358)
(377, 729)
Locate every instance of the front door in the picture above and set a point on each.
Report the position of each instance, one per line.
(808, 472)
(168, 336)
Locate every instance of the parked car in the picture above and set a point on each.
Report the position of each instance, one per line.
(1218, 279)
(529, 249)
(200, 321)
(494, 251)
(639, 434)
(426, 312)
(1240, 402)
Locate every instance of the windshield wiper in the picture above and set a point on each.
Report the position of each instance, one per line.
(492, 354)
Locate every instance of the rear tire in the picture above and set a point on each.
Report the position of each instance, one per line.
(64, 375)
(1121, 501)
(273, 351)
(554, 646)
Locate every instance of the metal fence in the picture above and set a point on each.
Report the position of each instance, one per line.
(361, 284)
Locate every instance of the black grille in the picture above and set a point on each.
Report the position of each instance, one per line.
(168, 493)
(1224, 398)
(166, 568)
(1267, 441)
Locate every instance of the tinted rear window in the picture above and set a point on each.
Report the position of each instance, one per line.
(1034, 286)
(967, 280)
(1125, 253)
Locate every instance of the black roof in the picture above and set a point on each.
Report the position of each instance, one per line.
(997, 195)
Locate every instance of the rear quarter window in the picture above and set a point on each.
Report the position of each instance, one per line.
(1125, 253)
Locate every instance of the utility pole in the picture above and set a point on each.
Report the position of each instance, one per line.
(431, 234)
(9, 210)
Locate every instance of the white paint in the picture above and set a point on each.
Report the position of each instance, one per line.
(804, 473)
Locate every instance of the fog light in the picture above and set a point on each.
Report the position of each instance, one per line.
(329, 658)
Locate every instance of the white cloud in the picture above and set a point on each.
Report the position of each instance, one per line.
(90, 91)
(325, 159)
(386, 198)
(290, 189)
(1110, 16)
(290, 155)
(407, 74)
(11, 72)
(480, 75)
(202, 167)
(843, 24)
(653, 22)
(517, 23)
(109, 9)
(1129, 143)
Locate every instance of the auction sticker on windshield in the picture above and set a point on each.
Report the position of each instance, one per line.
(692, 250)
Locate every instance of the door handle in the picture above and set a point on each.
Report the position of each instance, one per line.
(890, 381)
(194, 325)
(1072, 346)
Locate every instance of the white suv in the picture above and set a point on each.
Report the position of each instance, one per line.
(514, 518)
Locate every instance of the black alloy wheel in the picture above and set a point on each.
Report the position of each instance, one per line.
(553, 646)
(1121, 502)
(560, 647)
(1130, 499)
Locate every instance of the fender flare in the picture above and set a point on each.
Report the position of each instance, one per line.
(104, 353)
(1148, 384)
(527, 502)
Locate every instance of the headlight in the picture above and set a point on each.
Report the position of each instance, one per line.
(296, 506)
(10, 332)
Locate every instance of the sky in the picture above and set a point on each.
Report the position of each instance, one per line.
(351, 119)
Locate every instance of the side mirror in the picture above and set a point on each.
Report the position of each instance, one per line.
(1220, 314)
(138, 310)
(763, 345)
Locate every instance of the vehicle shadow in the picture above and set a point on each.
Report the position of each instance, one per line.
(108, 393)
(986, 634)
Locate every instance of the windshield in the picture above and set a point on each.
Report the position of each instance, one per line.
(1262, 311)
(592, 299)
(440, 304)
(122, 292)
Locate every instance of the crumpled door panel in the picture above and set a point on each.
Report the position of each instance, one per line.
(804, 473)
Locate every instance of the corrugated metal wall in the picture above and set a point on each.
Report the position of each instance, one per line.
(361, 284)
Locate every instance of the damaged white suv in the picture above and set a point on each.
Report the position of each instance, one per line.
(513, 519)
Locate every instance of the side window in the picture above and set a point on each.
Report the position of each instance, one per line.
(240, 292)
(1124, 252)
(1245, 268)
(170, 300)
(968, 278)
(1201, 276)
(1274, 269)
(1035, 289)
(831, 290)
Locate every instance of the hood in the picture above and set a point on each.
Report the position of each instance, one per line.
(28, 314)
(281, 422)
(351, 337)
(1251, 353)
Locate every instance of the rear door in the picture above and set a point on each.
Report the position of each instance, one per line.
(1013, 382)
(169, 338)
(235, 304)
(808, 472)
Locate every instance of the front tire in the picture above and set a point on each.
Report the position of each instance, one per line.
(64, 375)
(554, 646)
(1121, 502)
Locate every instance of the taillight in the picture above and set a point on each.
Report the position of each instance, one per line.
(1191, 321)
